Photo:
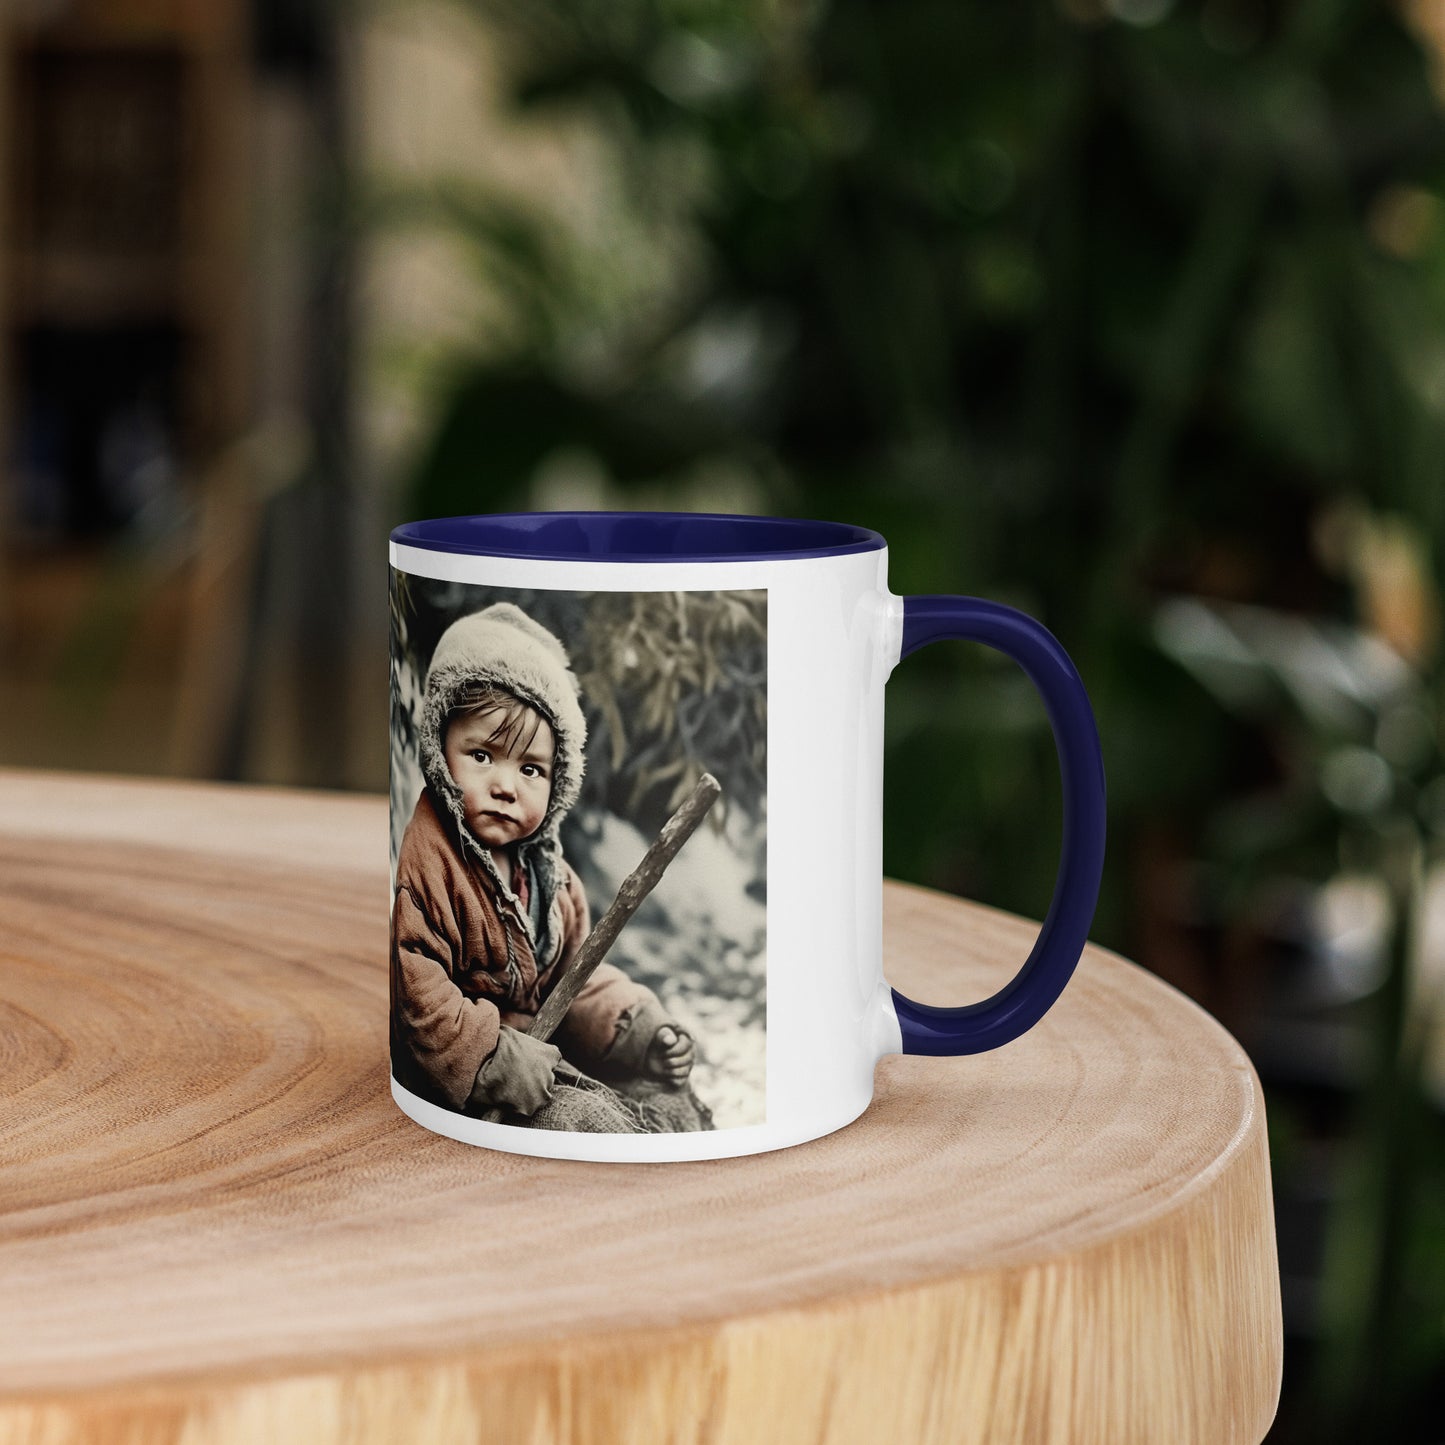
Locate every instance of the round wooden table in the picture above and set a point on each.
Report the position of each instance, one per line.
(216, 1226)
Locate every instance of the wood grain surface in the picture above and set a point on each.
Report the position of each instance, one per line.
(215, 1225)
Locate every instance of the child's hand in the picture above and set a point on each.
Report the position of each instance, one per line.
(669, 1055)
(529, 1085)
(518, 1075)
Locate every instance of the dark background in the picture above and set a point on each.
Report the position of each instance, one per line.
(1128, 312)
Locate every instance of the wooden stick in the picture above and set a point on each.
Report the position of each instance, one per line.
(635, 887)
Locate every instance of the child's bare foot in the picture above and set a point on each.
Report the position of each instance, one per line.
(669, 1055)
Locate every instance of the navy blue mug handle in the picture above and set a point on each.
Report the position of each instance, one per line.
(1024, 1000)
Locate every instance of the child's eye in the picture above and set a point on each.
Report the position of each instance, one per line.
(536, 770)
(480, 755)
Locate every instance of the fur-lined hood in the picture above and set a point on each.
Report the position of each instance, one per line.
(502, 645)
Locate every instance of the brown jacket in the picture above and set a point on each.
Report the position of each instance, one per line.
(462, 965)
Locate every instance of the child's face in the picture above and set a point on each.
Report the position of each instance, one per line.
(505, 787)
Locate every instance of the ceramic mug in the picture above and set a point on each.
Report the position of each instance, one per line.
(637, 806)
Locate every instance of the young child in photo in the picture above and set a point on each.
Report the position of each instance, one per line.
(487, 913)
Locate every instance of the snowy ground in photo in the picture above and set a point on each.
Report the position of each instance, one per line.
(699, 942)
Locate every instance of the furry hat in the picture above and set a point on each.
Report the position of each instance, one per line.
(501, 645)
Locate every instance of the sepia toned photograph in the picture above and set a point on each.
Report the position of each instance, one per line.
(579, 862)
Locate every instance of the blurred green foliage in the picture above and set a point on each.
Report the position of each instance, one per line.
(1086, 306)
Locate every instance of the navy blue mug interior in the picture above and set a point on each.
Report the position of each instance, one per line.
(637, 536)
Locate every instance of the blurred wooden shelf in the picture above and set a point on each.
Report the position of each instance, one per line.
(88, 290)
(216, 1226)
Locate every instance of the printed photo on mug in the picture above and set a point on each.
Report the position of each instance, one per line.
(579, 855)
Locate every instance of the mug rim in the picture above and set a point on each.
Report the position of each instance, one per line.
(617, 536)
